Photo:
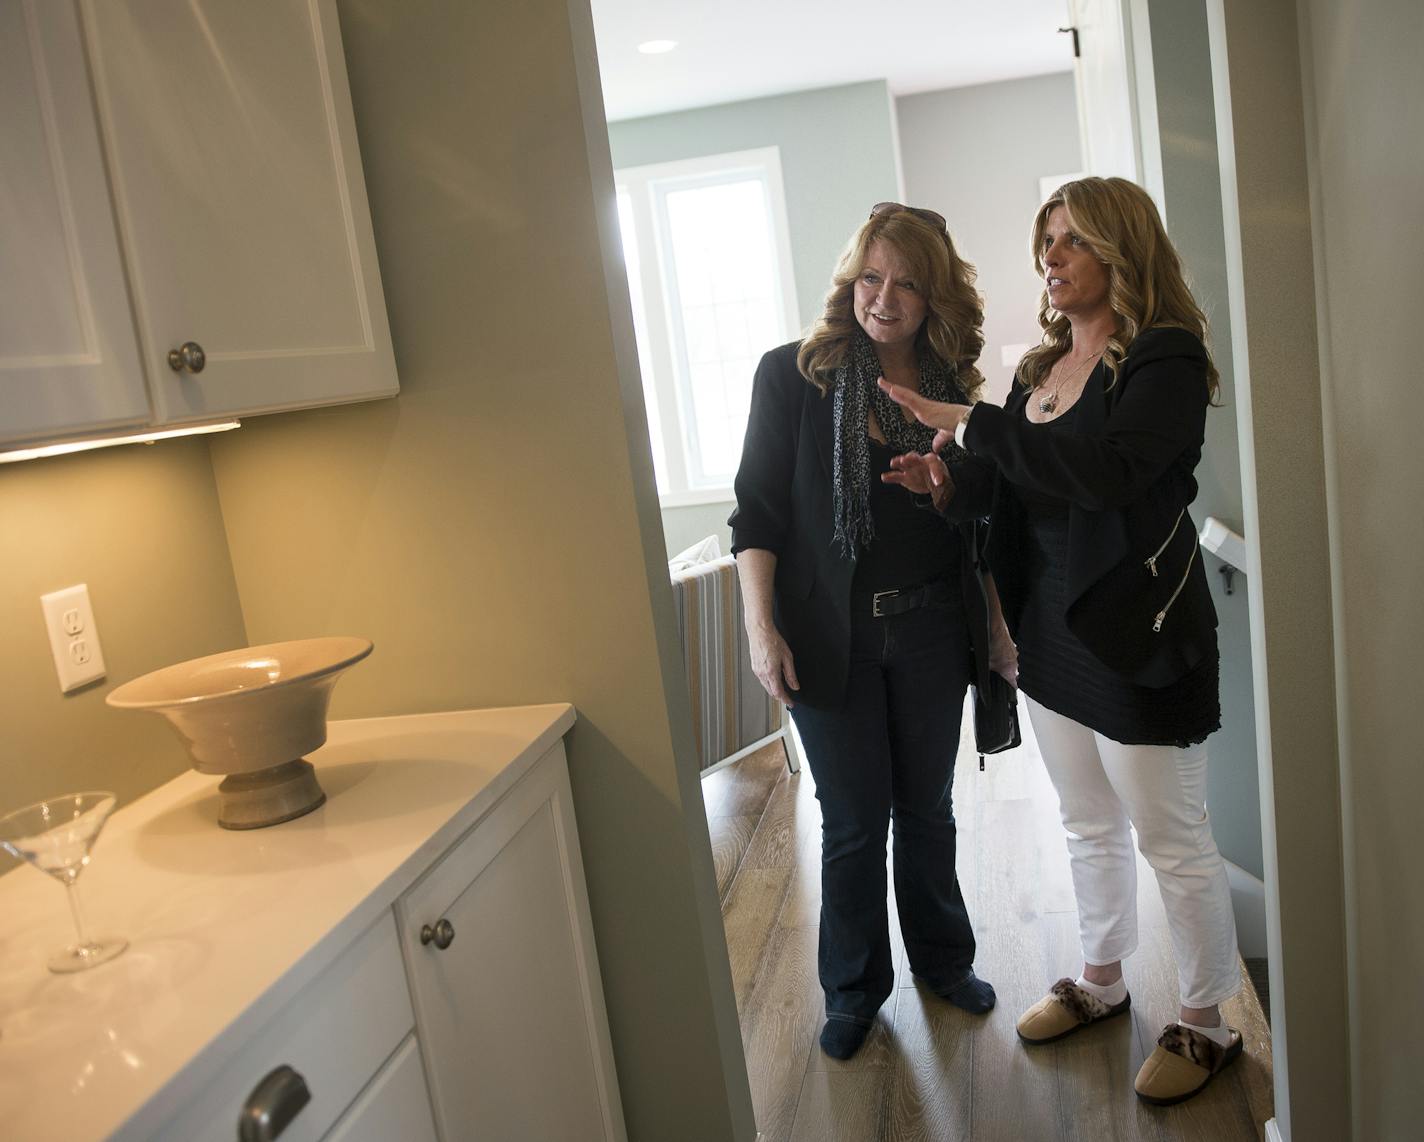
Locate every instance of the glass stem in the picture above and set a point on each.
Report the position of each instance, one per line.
(71, 893)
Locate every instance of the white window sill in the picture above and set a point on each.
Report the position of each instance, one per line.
(696, 496)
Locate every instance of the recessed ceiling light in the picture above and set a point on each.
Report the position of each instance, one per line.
(656, 47)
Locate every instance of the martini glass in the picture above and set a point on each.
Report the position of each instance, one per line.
(55, 836)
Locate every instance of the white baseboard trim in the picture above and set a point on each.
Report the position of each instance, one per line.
(1273, 1132)
(1248, 902)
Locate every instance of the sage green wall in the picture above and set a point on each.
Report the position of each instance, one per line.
(141, 526)
(494, 529)
(976, 154)
(1367, 156)
(837, 160)
(1191, 178)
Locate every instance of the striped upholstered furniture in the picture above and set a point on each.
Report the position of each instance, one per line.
(731, 714)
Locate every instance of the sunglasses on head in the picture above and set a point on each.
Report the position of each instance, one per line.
(929, 216)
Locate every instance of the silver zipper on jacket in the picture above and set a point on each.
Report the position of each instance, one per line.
(1151, 562)
(1162, 614)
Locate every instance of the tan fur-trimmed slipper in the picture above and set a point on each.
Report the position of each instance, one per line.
(1182, 1065)
(1065, 1009)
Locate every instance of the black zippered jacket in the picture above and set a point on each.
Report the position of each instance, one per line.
(1126, 466)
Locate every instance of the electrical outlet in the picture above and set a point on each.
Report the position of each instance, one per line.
(73, 638)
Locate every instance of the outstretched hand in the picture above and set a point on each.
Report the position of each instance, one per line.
(936, 414)
(925, 475)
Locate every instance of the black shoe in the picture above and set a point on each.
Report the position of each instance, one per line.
(841, 1037)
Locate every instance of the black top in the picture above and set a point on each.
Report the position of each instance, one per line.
(910, 546)
(1057, 670)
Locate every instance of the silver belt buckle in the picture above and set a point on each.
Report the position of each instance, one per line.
(875, 610)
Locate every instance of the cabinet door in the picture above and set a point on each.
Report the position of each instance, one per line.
(69, 362)
(510, 1012)
(238, 187)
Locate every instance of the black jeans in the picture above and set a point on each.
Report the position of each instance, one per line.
(888, 753)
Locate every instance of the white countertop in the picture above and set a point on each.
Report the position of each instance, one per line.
(224, 927)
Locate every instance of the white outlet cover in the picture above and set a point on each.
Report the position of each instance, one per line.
(73, 637)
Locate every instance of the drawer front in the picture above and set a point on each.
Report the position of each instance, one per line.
(335, 1035)
(394, 1108)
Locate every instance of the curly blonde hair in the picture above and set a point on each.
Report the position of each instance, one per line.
(1146, 285)
(953, 326)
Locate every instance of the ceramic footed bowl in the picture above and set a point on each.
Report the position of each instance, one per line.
(251, 714)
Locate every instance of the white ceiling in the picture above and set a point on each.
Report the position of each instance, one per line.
(741, 49)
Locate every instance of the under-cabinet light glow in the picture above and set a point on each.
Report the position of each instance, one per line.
(110, 441)
(656, 47)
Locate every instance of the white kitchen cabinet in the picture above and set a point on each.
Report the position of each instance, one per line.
(498, 947)
(234, 184)
(284, 968)
(69, 358)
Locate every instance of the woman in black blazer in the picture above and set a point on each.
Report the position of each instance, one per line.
(853, 605)
(1087, 474)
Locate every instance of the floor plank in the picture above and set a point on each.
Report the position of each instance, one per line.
(839, 1106)
(929, 1097)
(749, 917)
(1015, 1091)
(781, 1020)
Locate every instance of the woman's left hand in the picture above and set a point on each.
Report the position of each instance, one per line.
(936, 414)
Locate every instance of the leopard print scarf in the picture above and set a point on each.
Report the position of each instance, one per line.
(855, 394)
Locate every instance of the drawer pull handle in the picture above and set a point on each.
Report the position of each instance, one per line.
(442, 935)
(188, 357)
(272, 1105)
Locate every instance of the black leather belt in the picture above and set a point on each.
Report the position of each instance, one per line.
(897, 602)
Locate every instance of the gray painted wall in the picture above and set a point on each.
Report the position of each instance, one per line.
(483, 578)
(1191, 175)
(1272, 276)
(976, 154)
(1366, 154)
(837, 160)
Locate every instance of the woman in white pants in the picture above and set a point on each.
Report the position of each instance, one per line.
(1087, 473)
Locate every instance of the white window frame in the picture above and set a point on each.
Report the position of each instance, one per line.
(669, 387)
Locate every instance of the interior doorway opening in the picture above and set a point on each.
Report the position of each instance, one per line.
(943, 146)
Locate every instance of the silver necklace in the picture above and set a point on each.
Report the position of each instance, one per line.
(1046, 404)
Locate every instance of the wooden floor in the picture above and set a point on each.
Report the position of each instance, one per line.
(930, 1072)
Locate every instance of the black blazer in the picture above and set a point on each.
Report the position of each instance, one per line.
(783, 489)
(784, 492)
(1125, 464)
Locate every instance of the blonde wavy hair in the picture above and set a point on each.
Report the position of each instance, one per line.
(953, 326)
(1146, 285)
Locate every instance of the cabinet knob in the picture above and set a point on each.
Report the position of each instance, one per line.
(442, 935)
(272, 1105)
(187, 358)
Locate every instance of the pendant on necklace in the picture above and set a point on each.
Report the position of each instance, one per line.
(1049, 403)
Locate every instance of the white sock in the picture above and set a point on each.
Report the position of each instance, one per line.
(1220, 1034)
(1110, 993)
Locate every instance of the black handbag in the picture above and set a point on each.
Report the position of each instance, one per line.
(996, 703)
(996, 717)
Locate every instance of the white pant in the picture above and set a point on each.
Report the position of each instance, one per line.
(1103, 786)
